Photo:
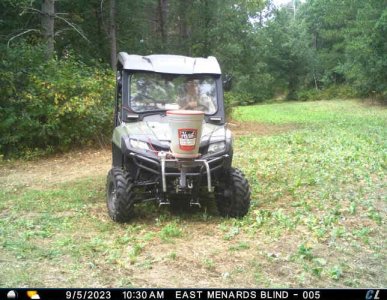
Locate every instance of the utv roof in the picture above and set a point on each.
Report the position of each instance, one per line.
(172, 64)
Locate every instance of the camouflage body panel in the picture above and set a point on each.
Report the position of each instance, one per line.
(160, 131)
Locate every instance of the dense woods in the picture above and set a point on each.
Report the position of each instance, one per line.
(57, 57)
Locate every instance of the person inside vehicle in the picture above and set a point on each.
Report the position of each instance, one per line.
(193, 99)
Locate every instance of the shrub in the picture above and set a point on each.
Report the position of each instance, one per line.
(232, 99)
(331, 92)
(51, 106)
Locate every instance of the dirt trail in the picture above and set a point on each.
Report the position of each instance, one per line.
(57, 169)
(254, 128)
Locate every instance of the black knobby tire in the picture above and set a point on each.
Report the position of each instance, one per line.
(119, 195)
(233, 199)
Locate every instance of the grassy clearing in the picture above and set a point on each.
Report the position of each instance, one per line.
(317, 216)
(324, 186)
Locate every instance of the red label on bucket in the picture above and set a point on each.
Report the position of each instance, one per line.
(187, 138)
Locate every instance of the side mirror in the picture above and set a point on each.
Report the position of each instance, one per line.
(119, 79)
(227, 82)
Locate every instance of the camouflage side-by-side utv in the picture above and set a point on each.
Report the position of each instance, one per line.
(170, 142)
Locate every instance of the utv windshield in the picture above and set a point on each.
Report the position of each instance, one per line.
(154, 92)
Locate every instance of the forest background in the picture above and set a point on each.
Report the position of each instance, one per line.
(57, 58)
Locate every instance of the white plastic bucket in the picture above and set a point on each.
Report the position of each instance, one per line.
(186, 131)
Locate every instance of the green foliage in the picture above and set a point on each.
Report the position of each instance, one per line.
(240, 246)
(233, 99)
(366, 52)
(169, 231)
(336, 272)
(323, 45)
(286, 52)
(327, 22)
(305, 252)
(52, 105)
(331, 92)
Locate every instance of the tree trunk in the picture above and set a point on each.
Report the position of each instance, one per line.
(47, 21)
(207, 28)
(112, 34)
(184, 8)
(100, 33)
(162, 16)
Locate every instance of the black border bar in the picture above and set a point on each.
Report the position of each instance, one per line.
(190, 294)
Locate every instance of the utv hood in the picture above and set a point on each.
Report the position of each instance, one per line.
(151, 131)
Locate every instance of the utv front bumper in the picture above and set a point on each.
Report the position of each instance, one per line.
(181, 168)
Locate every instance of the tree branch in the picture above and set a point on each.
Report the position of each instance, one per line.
(73, 26)
(32, 9)
(62, 30)
(20, 34)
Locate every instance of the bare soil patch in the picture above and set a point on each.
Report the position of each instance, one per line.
(255, 128)
(50, 171)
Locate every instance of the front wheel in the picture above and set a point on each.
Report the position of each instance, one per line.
(234, 199)
(119, 195)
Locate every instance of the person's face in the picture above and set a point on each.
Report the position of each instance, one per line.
(192, 88)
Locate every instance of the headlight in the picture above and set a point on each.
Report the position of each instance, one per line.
(139, 144)
(216, 147)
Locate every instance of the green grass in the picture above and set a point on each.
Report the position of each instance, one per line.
(170, 231)
(309, 112)
(317, 216)
(240, 246)
(324, 183)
